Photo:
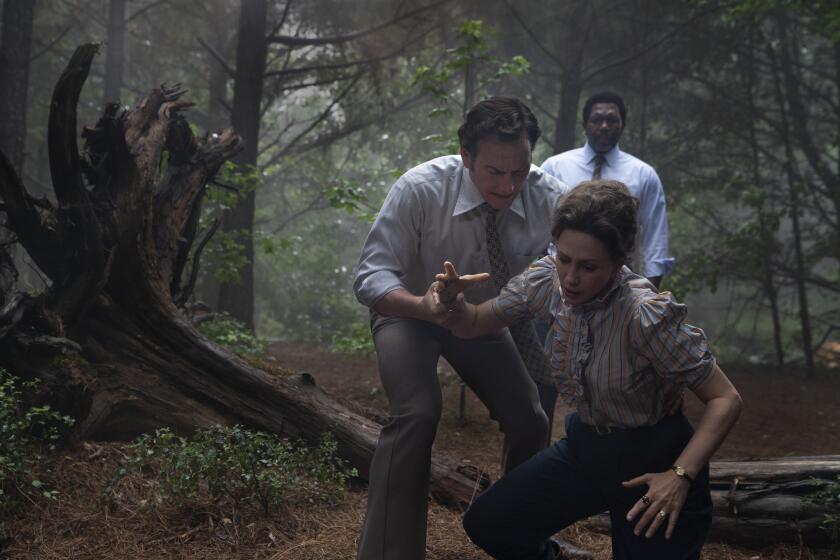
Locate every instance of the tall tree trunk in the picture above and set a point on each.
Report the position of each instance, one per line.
(217, 115)
(768, 245)
(571, 45)
(115, 53)
(566, 124)
(794, 180)
(14, 80)
(799, 117)
(469, 87)
(238, 299)
(14, 70)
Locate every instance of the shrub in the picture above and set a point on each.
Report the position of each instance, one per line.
(226, 331)
(232, 463)
(26, 433)
(356, 340)
(830, 495)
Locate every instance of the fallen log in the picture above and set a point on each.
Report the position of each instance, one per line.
(758, 503)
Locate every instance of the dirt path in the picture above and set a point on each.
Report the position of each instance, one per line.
(784, 414)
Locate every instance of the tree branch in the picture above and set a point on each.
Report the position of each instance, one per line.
(294, 41)
(228, 70)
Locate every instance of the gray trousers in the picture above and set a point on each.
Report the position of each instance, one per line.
(408, 352)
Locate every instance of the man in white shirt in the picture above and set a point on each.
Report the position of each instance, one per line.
(486, 204)
(604, 118)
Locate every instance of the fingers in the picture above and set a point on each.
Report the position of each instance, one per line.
(672, 522)
(661, 504)
(449, 270)
(474, 278)
(451, 284)
(658, 517)
(638, 507)
(638, 481)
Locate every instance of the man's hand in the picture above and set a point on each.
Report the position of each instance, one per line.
(450, 285)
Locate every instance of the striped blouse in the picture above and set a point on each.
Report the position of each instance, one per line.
(623, 358)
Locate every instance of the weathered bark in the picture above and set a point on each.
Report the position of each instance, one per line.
(107, 337)
(765, 502)
(238, 299)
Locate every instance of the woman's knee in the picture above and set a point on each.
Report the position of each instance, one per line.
(477, 523)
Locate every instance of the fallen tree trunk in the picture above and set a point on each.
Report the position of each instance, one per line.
(110, 337)
(763, 502)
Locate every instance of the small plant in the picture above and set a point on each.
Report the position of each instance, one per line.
(356, 340)
(226, 331)
(26, 433)
(830, 495)
(235, 464)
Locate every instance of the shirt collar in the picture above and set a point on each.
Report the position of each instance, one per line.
(469, 198)
(611, 157)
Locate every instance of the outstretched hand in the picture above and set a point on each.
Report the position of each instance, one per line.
(449, 284)
(663, 502)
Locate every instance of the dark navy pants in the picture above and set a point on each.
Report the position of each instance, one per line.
(580, 476)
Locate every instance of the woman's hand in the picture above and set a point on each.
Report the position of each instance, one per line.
(444, 302)
(665, 498)
(450, 284)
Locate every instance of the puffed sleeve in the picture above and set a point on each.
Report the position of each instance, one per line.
(677, 351)
(527, 295)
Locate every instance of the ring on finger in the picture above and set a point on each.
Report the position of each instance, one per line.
(646, 500)
(661, 513)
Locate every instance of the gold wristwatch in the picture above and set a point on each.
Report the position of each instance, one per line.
(680, 472)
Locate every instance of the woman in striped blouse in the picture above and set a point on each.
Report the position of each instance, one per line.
(622, 355)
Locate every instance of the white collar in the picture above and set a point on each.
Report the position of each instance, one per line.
(469, 198)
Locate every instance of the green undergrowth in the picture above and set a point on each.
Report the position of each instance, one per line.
(27, 434)
(226, 331)
(236, 465)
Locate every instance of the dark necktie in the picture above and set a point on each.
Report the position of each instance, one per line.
(599, 163)
(523, 332)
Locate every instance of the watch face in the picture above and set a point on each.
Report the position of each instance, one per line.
(680, 471)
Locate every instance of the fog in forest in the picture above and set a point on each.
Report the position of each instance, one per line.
(736, 104)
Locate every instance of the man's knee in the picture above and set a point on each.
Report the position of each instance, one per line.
(529, 427)
(419, 423)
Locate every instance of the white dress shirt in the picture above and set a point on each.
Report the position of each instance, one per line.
(641, 180)
(433, 213)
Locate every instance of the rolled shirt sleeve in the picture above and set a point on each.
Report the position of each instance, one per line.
(653, 215)
(393, 243)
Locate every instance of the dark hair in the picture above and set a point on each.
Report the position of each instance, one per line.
(605, 97)
(605, 210)
(504, 119)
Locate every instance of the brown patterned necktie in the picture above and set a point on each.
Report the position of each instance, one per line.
(599, 163)
(523, 333)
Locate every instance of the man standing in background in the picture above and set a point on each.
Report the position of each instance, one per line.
(604, 118)
(487, 210)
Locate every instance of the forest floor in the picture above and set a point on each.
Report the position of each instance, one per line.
(784, 414)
